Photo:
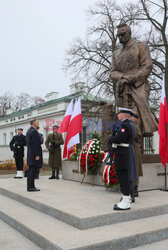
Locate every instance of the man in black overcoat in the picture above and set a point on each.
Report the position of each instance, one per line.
(17, 146)
(124, 157)
(34, 154)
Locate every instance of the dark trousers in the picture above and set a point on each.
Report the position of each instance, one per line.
(31, 176)
(19, 163)
(37, 172)
(125, 184)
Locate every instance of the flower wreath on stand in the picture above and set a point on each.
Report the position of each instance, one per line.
(89, 160)
(109, 174)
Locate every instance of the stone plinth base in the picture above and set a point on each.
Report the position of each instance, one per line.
(153, 175)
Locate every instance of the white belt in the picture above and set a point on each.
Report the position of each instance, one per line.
(114, 145)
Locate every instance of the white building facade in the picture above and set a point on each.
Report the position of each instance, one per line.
(49, 113)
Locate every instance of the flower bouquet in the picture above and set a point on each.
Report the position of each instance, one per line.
(89, 159)
(110, 177)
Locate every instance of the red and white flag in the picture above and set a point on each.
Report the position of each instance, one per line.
(163, 119)
(74, 128)
(65, 122)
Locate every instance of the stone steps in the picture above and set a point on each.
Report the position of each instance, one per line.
(50, 233)
(10, 239)
(89, 222)
(78, 217)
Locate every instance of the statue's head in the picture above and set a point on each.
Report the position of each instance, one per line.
(124, 33)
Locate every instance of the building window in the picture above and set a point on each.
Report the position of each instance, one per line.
(148, 145)
(4, 138)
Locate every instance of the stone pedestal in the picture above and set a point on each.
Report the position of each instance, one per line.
(153, 175)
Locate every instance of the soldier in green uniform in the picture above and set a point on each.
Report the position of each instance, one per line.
(138, 156)
(53, 143)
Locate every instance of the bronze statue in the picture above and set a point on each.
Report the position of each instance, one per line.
(131, 67)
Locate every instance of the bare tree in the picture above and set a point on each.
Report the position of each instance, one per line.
(5, 103)
(37, 100)
(155, 13)
(19, 102)
(91, 59)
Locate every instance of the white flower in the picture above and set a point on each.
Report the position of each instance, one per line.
(97, 151)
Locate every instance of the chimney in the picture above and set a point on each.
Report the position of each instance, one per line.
(51, 96)
(77, 87)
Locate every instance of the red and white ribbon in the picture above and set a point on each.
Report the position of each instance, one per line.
(86, 156)
(80, 157)
(104, 157)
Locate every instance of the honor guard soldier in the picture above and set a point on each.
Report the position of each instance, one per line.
(124, 157)
(53, 143)
(17, 146)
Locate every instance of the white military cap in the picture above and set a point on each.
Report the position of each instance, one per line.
(19, 128)
(124, 110)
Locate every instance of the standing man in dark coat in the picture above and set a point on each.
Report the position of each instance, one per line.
(17, 146)
(34, 154)
(126, 172)
(53, 143)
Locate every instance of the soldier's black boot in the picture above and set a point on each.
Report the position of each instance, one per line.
(57, 176)
(136, 194)
(52, 176)
(132, 198)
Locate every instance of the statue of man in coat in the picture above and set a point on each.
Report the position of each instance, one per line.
(131, 66)
(53, 142)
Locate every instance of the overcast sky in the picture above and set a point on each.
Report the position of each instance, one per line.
(33, 37)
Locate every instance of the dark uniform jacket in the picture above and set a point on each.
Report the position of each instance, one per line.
(33, 148)
(17, 145)
(122, 159)
(55, 157)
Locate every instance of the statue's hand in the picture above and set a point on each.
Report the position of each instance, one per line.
(130, 79)
(121, 85)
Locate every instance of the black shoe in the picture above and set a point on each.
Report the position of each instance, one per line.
(136, 194)
(33, 189)
(120, 209)
(52, 177)
(132, 199)
(57, 177)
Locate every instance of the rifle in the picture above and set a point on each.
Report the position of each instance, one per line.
(53, 145)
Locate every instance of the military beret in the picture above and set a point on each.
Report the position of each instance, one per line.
(55, 126)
